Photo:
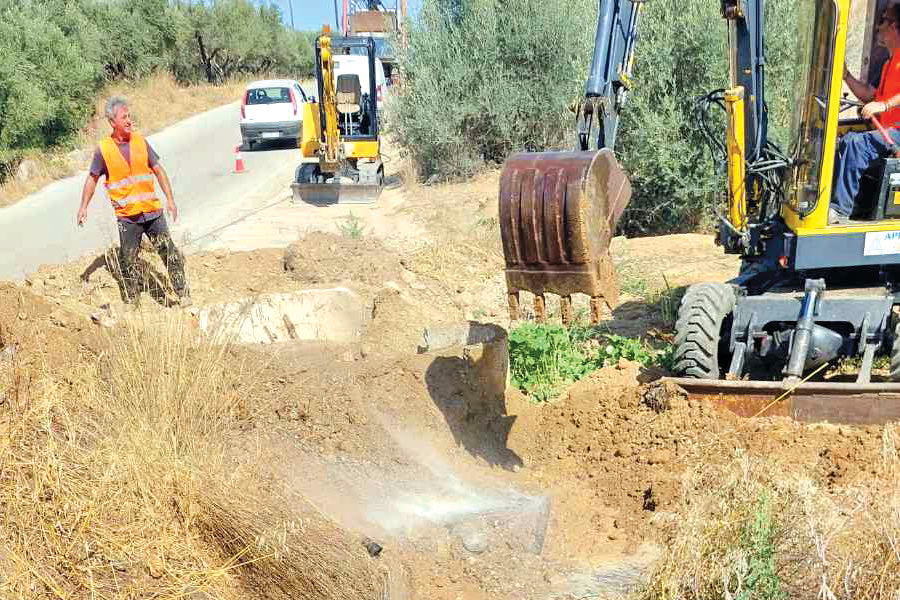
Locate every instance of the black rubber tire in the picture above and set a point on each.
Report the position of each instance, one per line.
(307, 173)
(702, 330)
(895, 354)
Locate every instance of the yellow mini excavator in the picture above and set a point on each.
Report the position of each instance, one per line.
(340, 145)
(808, 291)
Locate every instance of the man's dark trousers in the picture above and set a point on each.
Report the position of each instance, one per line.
(856, 151)
(130, 244)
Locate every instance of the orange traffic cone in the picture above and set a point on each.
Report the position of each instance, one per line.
(238, 161)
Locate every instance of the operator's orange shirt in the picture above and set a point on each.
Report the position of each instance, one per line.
(888, 88)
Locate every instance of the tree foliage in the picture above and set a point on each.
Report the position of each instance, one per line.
(56, 55)
(485, 78)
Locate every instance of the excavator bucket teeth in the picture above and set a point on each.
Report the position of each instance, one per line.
(335, 193)
(558, 214)
(809, 402)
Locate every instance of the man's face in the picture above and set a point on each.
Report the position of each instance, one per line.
(888, 36)
(121, 123)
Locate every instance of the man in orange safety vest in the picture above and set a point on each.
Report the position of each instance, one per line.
(130, 164)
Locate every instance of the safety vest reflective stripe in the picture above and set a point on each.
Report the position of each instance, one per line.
(135, 198)
(128, 181)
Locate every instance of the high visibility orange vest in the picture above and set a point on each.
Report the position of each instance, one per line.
(131, 188)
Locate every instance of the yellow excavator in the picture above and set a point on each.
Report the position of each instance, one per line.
(808, 292)
(340, 145)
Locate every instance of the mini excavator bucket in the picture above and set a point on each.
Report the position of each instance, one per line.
(558, 214)
(335, 193)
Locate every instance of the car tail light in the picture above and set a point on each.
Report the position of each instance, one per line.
(380, 99)
(244, 104)
(293, 100)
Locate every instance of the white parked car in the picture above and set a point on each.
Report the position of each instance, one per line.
(271, 110)
(359, 65)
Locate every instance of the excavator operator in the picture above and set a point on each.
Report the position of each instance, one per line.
(857, 150)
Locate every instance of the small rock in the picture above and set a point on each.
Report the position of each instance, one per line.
(8, 353)
(364, 351)
(119, 564)
(102, 320)
(474, 539)
(373, 548)
(220, 254)
(27, 169)
(60, 319)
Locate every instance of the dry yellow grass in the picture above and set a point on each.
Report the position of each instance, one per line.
(114, 482)
(156, 102)
(828, 544)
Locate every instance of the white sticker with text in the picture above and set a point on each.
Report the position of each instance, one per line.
(882, 242)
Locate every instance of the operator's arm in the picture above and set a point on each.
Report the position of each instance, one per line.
(90, 184)
(880, 106)
(860, 89)
(167, 190)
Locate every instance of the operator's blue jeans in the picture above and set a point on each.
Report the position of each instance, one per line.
(856, 151)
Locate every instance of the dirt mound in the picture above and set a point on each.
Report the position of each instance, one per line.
(325, 258)
(38, 331)
(619, 447)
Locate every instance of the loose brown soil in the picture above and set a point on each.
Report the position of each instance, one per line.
(471, 490)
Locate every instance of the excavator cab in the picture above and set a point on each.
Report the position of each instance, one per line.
(340, 145)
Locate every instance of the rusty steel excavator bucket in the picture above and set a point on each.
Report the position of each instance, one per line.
(558, 214)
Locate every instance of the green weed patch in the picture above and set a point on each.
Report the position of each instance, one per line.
(544, 359)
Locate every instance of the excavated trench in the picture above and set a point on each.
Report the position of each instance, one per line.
(429, 497)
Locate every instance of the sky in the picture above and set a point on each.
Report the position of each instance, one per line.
(312, 14)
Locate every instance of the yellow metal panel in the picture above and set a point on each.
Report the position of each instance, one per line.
(309, 138)
(818, 219)
(362, 149)
(859, 227)
(737, 201)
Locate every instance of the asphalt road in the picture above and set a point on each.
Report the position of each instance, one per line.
(197, 153)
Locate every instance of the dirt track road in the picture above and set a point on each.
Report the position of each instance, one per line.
(198, 155)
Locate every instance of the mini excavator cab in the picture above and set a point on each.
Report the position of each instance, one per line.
(341, 146)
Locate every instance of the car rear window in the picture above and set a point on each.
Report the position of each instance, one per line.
(269, 95)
